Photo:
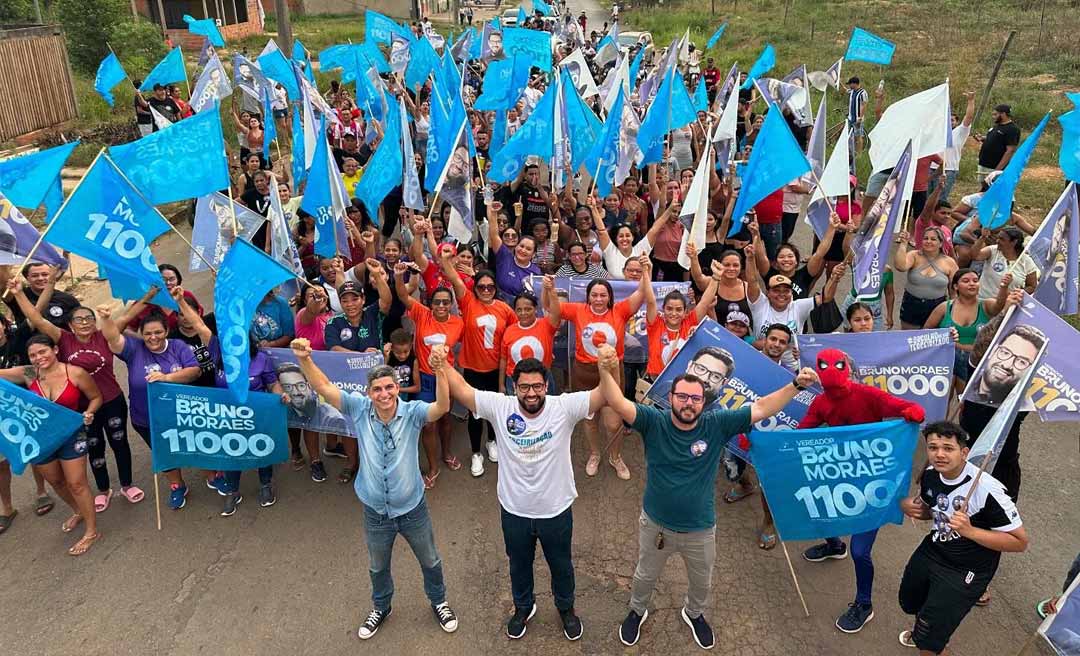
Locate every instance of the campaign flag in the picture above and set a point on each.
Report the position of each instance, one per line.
(670, 110)
(412, 195)
(160, 122)
(995, 208)
(838, 480)
(384, 169)
(1069, 155)
(781, 93)
(775, 161)
(629, 151)
(521, 17)
(381, 29)
(213, 86)
(542, 7)
(214, 231)
(635, 67)
(815, 150)
(490, 45)
(765, 62)
(535, 137)
(276, 67)
(617, 78)
(607, 50)
(462, 48)
(835, 180)
(695, 207)
(18, 236)
(305, 409)
(423, 61)
(601, 160)
(269, 123)
(636, 340)
(868, 47)
(1061, 630)
(874, 237)
(727, 99)
(715, 36)
(498, 82)
(583, 128)
(283, 248)
(833, 73)
(804, 113)
(922, 119)
(302, 59)
(532, 45)
(248, 77)
(107, 221)
(28, 180)
(1054, 389)
(205, 27)
(580, 75)
(205, 52)
(457, 187)
(1054, 249)
(914, 365)
(169, 69)
(207, 428)
(109, 74)
(34, 427)
(186, 161)
(245, 276)
(325, 199)
(351, 58)
(297, 155)
(701, 99)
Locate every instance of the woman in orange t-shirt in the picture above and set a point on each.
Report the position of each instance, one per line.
(669, 329)
(433, 326)
(599, 320)
(485, 320)
(530, 337)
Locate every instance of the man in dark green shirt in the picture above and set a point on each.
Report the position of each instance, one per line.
(682, 457)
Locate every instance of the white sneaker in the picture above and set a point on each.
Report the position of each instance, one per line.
(493, 451)
(477, 466)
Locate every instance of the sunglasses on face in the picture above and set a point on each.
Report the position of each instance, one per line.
(84, 318)
(485, 288)
(441, 301)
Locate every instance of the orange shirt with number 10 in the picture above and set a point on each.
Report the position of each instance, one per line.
(430, 332)
(482, 339)
(536, 341)
(594, 330)
(664, 342)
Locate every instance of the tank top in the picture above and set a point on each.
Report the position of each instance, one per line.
(927, 287)
(69, 397)
(724, 307)
(966, 334)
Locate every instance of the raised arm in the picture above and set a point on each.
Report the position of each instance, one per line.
(1004, 298)
(462, 391)
(708, 297)
(753, 288)
(612, 394)
(769, 405)
(438, 364)
(377, 275)
(650, 294)
(816, 264)
(901, 261)
(634, 300)
(110, 330)
(598, 222)
(189, 313)
(828, 294)
(658, 225)
(133, 310)
(494, 240)
(549, 300)
(399, 285)
(31, 312)
(444, 257)
(318, 381)
(419, 229)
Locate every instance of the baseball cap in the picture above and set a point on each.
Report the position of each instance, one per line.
(1004, 109)
(350, 287)
(735, 316)
(778, 279)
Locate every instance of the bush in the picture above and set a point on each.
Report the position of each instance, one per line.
(138, 44)
(16, 12)
(88, 24)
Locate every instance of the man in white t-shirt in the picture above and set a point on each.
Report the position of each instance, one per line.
(536, 482)
(777, 306)
(960, 132)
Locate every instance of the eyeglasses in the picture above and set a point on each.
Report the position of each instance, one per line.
(1003, 354)
(485, 288)
(317, 297)
(441, 301)
(295, 388)
(83, 318)
(715, 378)
(683, 397)
(535, 387)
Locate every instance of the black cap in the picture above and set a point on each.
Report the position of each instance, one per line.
(853, 80)
(1003, 109)
(350, 287)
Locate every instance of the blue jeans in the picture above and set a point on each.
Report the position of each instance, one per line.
(772, 234)
(520, 535)
(861, 545)
(380, 532)
(946, 189)
(232, 478)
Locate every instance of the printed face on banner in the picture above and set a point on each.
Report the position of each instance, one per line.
(306, 410)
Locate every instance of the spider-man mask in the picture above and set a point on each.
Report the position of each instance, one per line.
(833, 368)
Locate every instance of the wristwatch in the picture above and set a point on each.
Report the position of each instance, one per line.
(795, 383)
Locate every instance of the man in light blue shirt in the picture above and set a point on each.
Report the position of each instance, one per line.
(389, 484)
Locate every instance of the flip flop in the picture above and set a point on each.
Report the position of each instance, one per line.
(766, 541)
(346, 475)
(984, 600)
(85, 543)
(1042, 608)
(101, 501)
(132, 493)
(734, 494)
(452, 462)
(44, 505)
(5, 521)
(429, 481)
(68, 526)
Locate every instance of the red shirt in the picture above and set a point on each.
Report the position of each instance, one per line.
(771, 208)
(433, 278)
(922, 172)
(482, 337)
(536, 341)
(664, 343)
(430, 332)
(594, 330)
(95, 358)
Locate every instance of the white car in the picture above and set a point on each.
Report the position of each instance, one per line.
(509, 18)
(628, 39)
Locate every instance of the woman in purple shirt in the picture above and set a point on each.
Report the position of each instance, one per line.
(151, 357)
(512, 267)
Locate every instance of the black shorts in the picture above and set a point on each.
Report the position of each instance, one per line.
(939, 597)
(915, 310)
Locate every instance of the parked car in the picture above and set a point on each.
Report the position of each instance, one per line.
(628, 39)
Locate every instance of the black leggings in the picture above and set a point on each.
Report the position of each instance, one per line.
(489, 382)
(110, 426)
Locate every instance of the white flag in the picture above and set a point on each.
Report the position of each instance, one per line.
(922, 118)
(696, 208)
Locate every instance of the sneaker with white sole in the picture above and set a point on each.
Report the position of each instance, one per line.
(855, 617)
(515, 628)
(906, 639)
(630, 630)
(371, 625)
(446, 617)
(571, 624)
(824, 551)
(476, 465)
(492, 451)
(700, 629)
(233, 500)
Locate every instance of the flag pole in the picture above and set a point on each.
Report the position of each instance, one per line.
(157, 501)
(592, 185)
(187, 81)
(791, 568)
(829, 203)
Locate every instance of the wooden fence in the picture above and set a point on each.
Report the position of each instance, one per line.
(35, 81)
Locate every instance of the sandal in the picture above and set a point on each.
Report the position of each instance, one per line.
(132, 493)
(984, 600)
(84, 544)
(44, 506)
(5, 521)
(452, 462)
(738, 493)
(298, 462)
(101, 501)
(766, 541)
(1042, 609)
(346, 475)
(429, 481)
(71, 523)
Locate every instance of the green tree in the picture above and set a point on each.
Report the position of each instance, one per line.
(13, 12)
(138, 44)
(88, 24)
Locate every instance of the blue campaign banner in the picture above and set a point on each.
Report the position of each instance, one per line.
(206, 428)
(869, 47)
(637, 340)
(835, 481)
(381, 29)
(915, 365)
(562, 342)
(306, 410)
(31, 426)
(752, 376)
(532, 45)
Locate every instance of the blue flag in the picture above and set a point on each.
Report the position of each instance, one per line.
(1069, 156)
(635, 66)
(535, 137)
(411, 194)
(383, 171)
(301, 57)
(325, 199)
(701, 99)
(27, 180)
(875, 234)
(521, 17)
(269, 123)
(245, 276)
(19, 236)
(205, 427)
(381, 29)
(670, 109)
(274, 66)
(868, 47)
(1055, 249)
(533, 46)
(205, 27)
(423, 61)
(109, 74)
(583, 126)
(169, 69)
(297, 156)
(214, 230)
(542, 7)
(350, 57)
(716, 36)
(186, 161)
(34, 427)
(995, 208)
(496, 92)
(824, 482)
(108, 221)
(601, 161)
(775, 161)
(765, 62)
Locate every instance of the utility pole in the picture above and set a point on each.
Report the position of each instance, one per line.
(284, 27)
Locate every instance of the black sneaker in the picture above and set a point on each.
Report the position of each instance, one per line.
(630, 630)
(371, 625)
(701, 630)
(821, 552)
(447, 619)
(337, 451)
(571, 624)
(855, 618)
(267, 497)
(231, 502)
(318, 472)
(515, 628)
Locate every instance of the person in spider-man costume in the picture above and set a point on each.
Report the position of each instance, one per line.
(846, 402)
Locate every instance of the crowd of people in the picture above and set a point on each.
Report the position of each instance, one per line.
(476, 322)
